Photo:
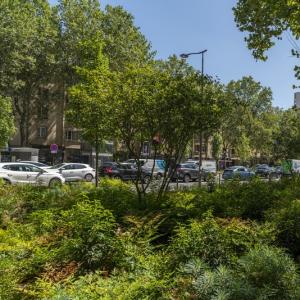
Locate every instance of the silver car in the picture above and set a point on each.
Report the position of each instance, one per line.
(22, 173)
(74, 171)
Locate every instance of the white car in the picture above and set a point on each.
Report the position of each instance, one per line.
(74, 171)
(35, 163)
(22, 173)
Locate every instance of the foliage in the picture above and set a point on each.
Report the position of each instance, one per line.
(124, 44)
(267, 20)
(217, 146)
(287, 221)
(82, 242)
(28, 41)
(218, 241)
(89, 99)
(263, 273)
(287, 135)
(246, 126)
(7, 126)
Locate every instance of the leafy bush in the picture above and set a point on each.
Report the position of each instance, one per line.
(115, 195)
(218, 241)
(287, 222)
(263, 273)
(79, 242)
(89, 236)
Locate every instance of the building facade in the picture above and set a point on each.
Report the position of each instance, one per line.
(47, 126)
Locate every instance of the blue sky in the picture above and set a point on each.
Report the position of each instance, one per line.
(177, 26)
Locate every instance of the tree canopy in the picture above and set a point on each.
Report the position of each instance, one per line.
(265, 20)
(7, 125)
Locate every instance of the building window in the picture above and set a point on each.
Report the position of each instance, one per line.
(42, 132)
(72, 135)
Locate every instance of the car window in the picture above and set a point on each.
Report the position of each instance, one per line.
(28, 168)
(241, 169)
(79, 166)
(16, 168)
(67, 167)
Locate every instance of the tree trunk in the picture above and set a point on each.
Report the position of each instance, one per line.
(200, 158)
(97, 163)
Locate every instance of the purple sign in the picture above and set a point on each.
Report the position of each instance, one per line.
(53, 148)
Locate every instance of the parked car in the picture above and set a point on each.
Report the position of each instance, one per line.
(133, 161)
(189, 172)
(123, 171)
(238, 172)
(264, 171)
(208, 169)
(74, 171)
(279, 171)
(22, 173)
(35, 163)
(208, 165)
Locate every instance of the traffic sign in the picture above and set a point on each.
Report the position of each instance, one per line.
(53, 148)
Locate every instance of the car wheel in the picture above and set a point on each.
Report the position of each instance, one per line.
(55, 182)
(88, 177)
(186, 178)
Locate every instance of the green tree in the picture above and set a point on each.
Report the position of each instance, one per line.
(89, 105)
(248, 105)
(266, 20)
(7, 126)
(217, 147)
(124, 44)
(287, 135)
(27, 50)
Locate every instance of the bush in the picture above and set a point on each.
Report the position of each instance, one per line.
(89, 236)
(263, 273)
(287, 222)
(218, 241)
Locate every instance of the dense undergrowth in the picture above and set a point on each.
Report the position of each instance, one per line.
(78, 242)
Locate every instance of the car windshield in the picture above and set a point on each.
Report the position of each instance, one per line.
(57, 166)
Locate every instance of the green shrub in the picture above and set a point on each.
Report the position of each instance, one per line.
(146, 280)
(89, 236)
(271, 272)
(263, 273)
(287, 222)
(218, 241)
(115, 195)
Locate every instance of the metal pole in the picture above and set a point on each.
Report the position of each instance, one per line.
(184, 56)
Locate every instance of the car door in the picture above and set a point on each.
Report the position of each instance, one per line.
(79, 171)
(194, 171)
(32, 174)
(16, 173)
(68, 172)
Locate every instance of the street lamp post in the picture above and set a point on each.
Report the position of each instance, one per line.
(186, 55)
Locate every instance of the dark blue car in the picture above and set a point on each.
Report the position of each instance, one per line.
(238, 172)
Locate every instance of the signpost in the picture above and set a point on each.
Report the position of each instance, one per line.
(53, 149)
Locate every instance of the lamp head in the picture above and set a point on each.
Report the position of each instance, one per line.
(183, 55)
